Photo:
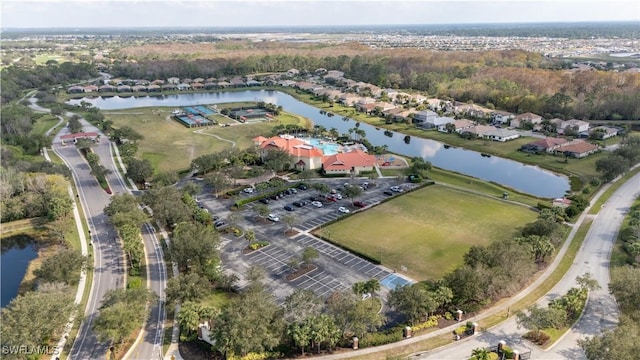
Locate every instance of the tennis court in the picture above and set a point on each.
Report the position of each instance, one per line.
(193, 120)
(393, 281)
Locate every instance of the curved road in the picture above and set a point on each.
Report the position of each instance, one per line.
(109, 263)
(601, 311)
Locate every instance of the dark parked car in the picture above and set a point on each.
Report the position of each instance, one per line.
(388, 192)
(289, 208)
(302, 187)
(298, 203)
(359, 204)
(264, 200)
(220, 224)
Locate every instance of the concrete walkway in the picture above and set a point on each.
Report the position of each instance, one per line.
(173, 352)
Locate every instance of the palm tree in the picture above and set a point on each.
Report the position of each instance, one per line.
(480, 354)
(372, 286)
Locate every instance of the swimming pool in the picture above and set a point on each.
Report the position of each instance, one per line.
(328, 148)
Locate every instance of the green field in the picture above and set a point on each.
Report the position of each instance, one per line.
(428, 230)
(170, 146)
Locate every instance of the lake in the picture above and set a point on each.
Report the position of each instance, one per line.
(525, 178)
(17, 252)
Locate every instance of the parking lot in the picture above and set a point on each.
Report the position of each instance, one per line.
(337, 269)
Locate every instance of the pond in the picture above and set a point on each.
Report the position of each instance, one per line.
(17, 252)
(526, 178)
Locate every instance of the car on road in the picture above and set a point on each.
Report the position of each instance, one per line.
(220, 224)
(273, 217)
(248, 190)
(359, 204)
(343, 210)
(316, 204)
(264, 200)
(289, 207)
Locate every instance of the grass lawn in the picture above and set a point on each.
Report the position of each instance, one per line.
(171, 146)
(43, 125)
(428, 230)
(485, 187)
(217, 299)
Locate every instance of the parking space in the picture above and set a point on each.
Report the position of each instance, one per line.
(353, 262)
(337, 269)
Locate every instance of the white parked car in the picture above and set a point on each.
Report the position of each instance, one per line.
(396, 189)
(343, 210)
(248, 190)
(316, 203)
(273, 217)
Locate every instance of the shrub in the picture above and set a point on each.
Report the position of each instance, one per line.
(508, 352)
(257, 356)
(134, 283)
(448, 316)
(381, 338)
(431, 322)
(258, 244)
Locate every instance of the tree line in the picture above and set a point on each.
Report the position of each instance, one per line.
(516, 81)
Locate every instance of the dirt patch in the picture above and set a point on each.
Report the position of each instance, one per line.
(304, 269)
(291, 233)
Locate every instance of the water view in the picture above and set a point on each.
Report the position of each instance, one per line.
(525, 178)
(17, 252)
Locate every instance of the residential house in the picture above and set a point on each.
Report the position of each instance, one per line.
(578, 125)
(197, 85)
(368, 108)
(187, 81)
(139, 88)
(254, 83)
(91, 88)
(173, 80)
(210, 85)
(521, 119)
(198, 80)
(392, 112)
(546, 145)
(223, 84)
(502, 135)
(349, 99)
(106, 88)
(169, 87)
(293, 72)
(353, 162)
(501, 117)
(237, 81)
(417, 98)
(123, 88)
(286, 83)
(334, 75)
(469, 110)
(478, 131)
(75, 89)
(458, 126)
(404, 115)
(154, 88)
(183, 86)
(306, 86)
(433, 104)
(157, 82)
(598, 132)
(577, 149)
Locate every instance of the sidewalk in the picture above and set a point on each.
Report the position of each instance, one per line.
(173, 352)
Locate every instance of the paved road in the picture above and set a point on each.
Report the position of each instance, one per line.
(108, 257)
(601, 310)
(109, 265)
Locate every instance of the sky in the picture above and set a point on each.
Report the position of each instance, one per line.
(239, 13)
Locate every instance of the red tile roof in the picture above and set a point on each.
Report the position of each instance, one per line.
(548, 142)
(578, 147)
(79, 135)
(347, 161)
(293, 146)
